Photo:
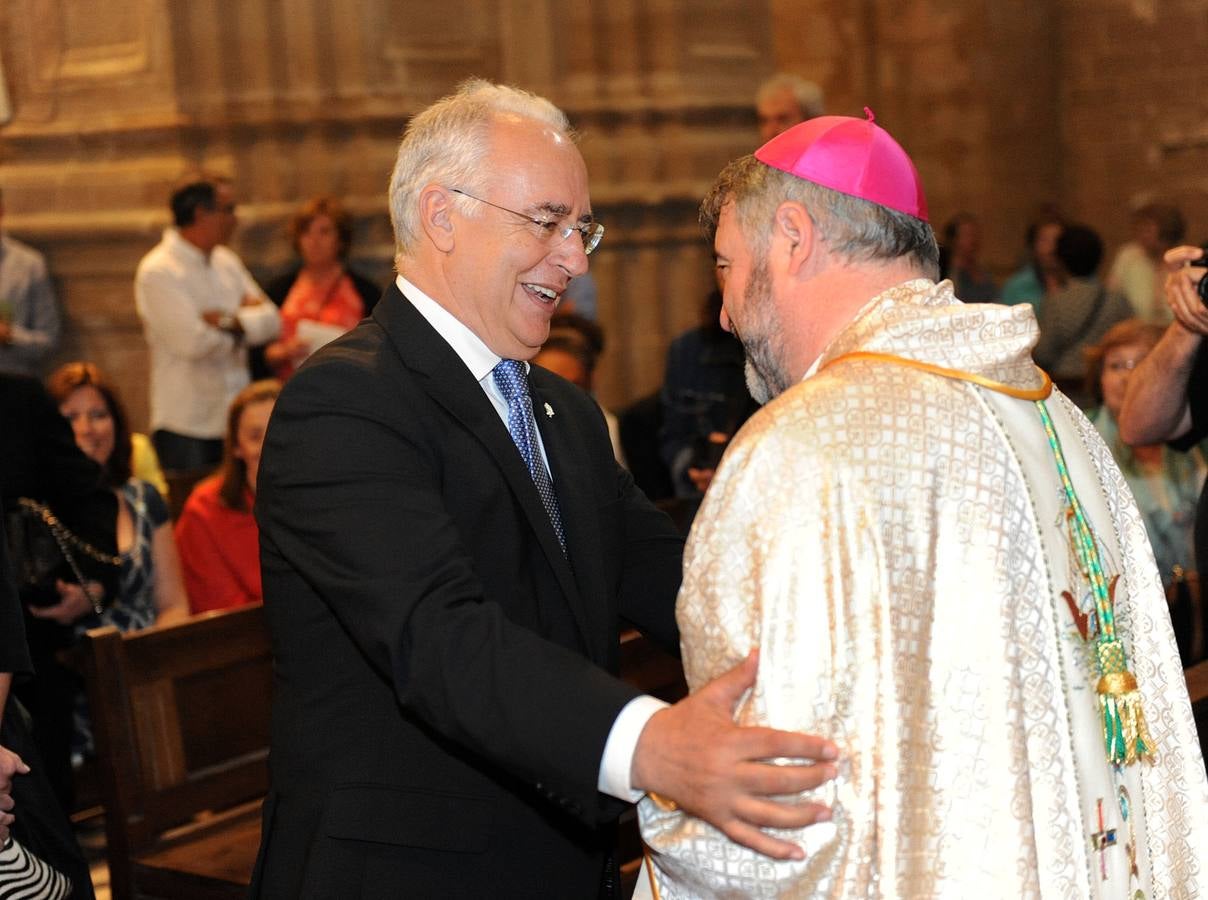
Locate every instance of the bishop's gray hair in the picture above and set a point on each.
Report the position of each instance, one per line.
(854, 229)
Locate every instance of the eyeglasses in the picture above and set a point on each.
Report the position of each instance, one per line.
(1122, 365)
(590, 232)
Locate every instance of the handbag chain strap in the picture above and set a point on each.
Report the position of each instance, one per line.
(66, 540)
(64, 537)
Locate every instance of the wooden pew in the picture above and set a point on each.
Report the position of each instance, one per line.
(181, 718)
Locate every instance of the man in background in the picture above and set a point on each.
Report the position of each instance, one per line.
(29, 314)
(784, 100)
(1137, 271)
(201, 310)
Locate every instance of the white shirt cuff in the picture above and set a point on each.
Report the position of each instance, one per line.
(617, 761)
(261, 323)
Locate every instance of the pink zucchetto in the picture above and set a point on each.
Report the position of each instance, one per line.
(852, 156)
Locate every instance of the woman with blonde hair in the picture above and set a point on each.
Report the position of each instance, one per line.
(217, 534)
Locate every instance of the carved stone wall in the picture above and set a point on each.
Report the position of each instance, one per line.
(1134, 93)
(112, 100)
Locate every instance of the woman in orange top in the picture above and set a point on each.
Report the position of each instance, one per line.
(216, 534)
(322, 298)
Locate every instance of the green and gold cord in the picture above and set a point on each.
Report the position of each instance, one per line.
(1125, 733)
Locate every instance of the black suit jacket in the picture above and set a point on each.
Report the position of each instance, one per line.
(442, 688)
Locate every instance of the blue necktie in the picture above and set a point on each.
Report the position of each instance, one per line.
(512, 380)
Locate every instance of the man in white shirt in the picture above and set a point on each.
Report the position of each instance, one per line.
(201, 310)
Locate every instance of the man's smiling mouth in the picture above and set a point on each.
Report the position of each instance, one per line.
(542, 293)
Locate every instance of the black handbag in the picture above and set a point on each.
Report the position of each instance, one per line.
(44, 550)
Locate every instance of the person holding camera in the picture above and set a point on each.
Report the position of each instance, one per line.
(1167, 400)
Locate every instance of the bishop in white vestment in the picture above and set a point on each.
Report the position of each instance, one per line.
(941, 566)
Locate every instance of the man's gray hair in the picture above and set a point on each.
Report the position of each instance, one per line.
(807, 94)
(446, 144)
(855, 230)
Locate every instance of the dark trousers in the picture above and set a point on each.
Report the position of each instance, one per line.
(181, 453)
(50, 700)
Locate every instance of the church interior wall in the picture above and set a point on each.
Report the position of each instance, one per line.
(1093, 104)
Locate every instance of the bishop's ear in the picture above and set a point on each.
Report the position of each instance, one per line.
(793, 234)
(435, 216)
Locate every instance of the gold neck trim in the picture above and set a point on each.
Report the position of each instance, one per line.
(1000, 387)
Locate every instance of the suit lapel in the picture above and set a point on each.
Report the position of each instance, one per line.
(563, 441)
(447, 380)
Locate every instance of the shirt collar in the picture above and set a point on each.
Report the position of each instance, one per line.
(184, 248)
(477, 356)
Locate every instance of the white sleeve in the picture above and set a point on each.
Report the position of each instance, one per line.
(261, 323)
(616, 763)
(171, 319)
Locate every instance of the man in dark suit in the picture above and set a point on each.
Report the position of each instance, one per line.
(444, 572)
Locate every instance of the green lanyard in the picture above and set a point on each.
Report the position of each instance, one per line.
(1125, 733)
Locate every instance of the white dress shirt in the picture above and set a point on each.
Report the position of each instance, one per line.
(197, 369)
(617, 759)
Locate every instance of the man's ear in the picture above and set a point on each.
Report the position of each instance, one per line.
(793, 234)
(435, 206)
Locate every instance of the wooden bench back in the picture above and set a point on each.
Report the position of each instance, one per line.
(181, 718)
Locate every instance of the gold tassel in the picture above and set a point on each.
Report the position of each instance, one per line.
(1125, 731)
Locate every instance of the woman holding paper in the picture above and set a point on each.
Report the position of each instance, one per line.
(322, 298)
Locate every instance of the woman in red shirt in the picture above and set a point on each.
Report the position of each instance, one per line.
(216, 534)
(323, 298)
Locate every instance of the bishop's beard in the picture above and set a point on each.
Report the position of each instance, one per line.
(766, 374)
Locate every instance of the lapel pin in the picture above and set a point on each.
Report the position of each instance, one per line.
(549, 411)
